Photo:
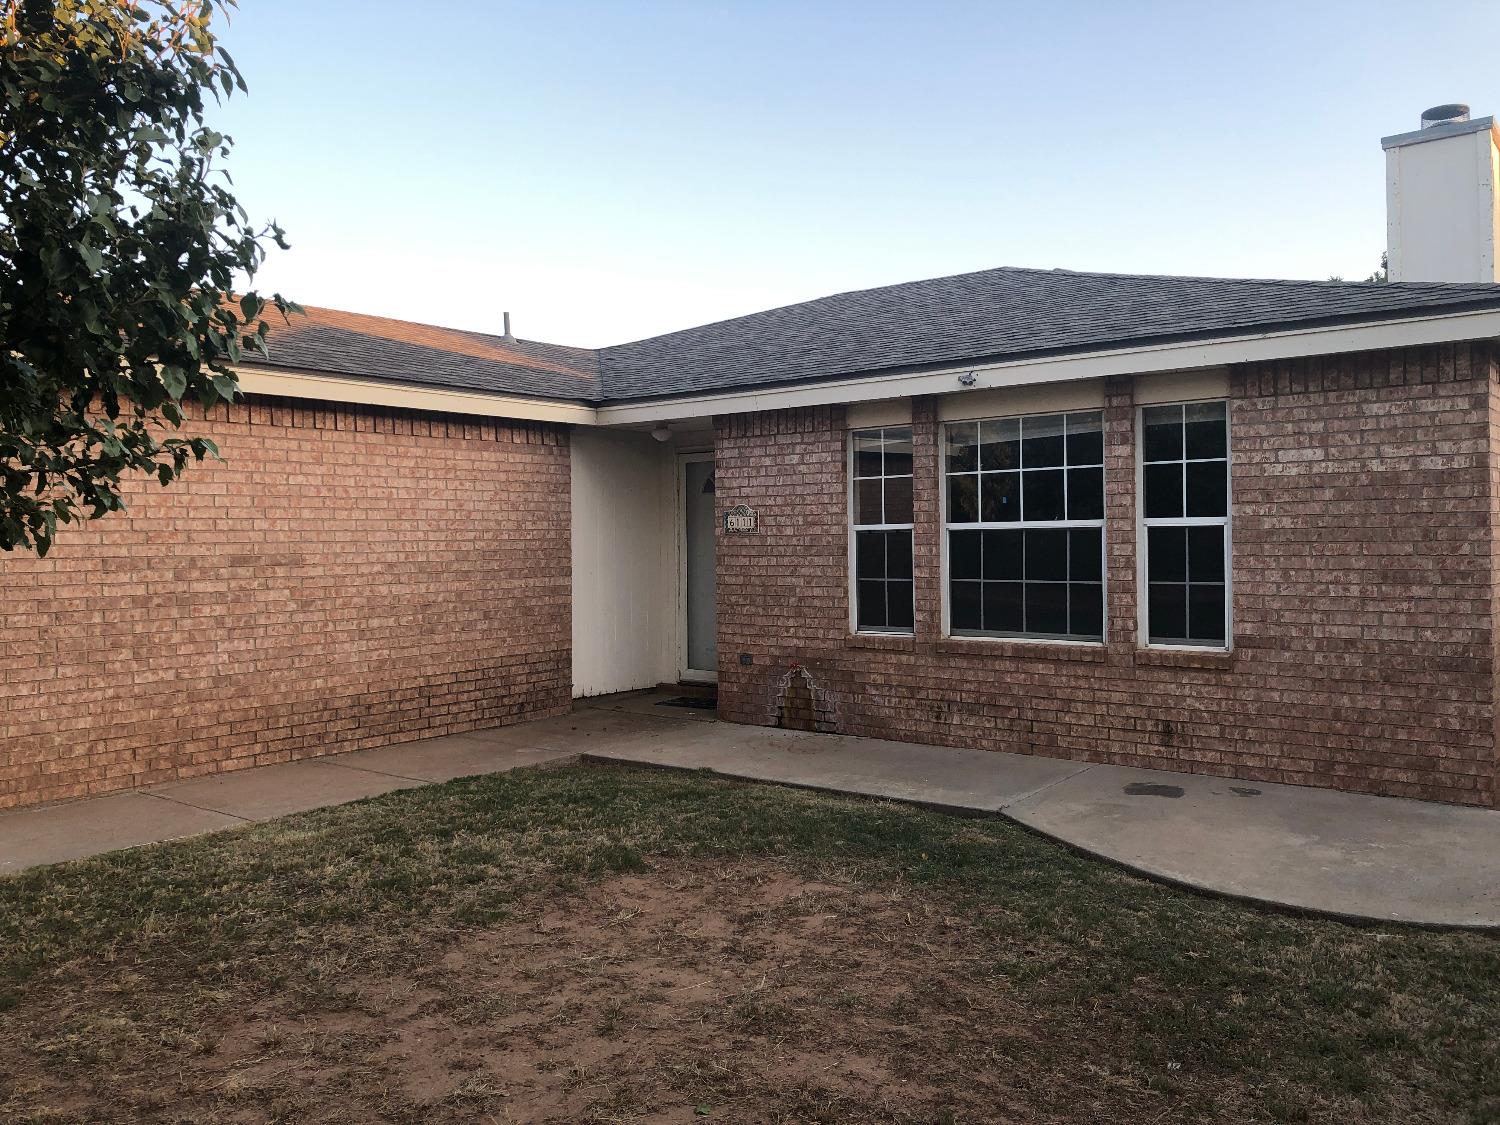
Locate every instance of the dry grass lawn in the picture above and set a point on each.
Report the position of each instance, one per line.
(606, 945)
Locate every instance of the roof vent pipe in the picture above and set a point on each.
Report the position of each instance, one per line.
(1450, 114)
(507, 335)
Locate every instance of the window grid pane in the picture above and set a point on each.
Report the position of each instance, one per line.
(1038, 582)
(881, 520)
(1024, 508)
(1185, 510)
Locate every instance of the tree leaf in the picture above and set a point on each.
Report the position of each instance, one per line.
(126, 245)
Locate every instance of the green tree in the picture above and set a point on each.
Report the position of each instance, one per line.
(120, 242)
(1381, 276)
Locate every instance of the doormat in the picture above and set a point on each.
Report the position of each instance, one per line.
(697, 702)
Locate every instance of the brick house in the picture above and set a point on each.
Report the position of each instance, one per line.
(1244, 528)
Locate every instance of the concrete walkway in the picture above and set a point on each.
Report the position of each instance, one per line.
(29, 837)
(1316, 850)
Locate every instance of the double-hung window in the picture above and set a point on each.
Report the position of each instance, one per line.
(1025, 527)
(1185, 510)
(881, 522)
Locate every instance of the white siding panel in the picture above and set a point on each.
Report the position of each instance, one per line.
(624, 562)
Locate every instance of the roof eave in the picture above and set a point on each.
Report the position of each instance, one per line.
(332, 386)
(1177, 353)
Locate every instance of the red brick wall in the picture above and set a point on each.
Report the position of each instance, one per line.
(350, 577)
(1364, 656)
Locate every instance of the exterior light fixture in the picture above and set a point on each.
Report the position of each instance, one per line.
(967, 379)
(662, 432)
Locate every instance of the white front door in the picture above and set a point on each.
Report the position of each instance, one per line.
(695, 477)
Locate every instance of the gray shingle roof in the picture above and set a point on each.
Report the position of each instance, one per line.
(372, 347)
(992, 315)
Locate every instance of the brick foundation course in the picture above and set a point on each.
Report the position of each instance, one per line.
(1364, 555)
(349, 577)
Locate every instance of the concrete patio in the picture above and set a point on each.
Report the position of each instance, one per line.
(1370, 858)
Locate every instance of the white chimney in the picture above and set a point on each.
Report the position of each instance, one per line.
(1442, 209)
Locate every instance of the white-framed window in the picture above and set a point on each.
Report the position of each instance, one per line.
(1024, 527)
(880, 529)
(1184, 504)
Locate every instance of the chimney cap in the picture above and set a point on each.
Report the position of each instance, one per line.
(1439, 129)
(1450, 113)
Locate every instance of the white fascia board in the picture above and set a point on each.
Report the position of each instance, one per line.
(1332, 340)
(339, 388)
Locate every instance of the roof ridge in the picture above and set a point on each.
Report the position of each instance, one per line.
(1291, 282)
(443, 328)
(1329, 282)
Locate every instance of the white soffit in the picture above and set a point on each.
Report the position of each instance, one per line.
(1187, 356)
(864, 415)
(336, 388)
(1038, 398)
(1181, 386)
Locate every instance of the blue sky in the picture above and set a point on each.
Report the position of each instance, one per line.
(608, 171)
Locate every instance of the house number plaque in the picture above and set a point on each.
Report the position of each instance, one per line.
(740, 519)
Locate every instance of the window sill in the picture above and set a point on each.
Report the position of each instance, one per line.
(1185, 658)
(1021, 650)
(882, 642)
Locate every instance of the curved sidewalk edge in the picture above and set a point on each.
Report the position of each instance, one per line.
(1340, 855)
(1316, 851)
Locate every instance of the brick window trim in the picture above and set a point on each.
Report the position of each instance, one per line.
(1186, 658)
(881, 642)
(1016, 649)
(997, 647)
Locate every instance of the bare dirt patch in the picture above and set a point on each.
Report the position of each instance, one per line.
(608, 945)
(737, 992)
